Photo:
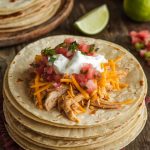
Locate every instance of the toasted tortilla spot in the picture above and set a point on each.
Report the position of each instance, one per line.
(12, 1)
(19, 80)
(140, 104)
(141, 82)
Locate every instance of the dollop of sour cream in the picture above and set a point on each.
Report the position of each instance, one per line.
(63, 65)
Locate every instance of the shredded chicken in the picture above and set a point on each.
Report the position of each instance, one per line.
(52, 97)
(66, 106)
(104, 104)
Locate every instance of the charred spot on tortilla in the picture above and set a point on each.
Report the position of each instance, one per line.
(13, 62)
(140, 104)
(117, 49)
(19, 80)
(141, 82)
(12, 1)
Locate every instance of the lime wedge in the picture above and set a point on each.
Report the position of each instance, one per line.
(94, 21)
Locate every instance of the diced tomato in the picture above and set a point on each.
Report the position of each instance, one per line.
(69, 40)
(135, 40)
(144, 34)
(81, 78)
(45, 59)
(148, 46)
(40, 69)
(47, 77)
(85, 67)
(84, 48)
(91, 86)
(69, 53)
(142, 52)
(91, 73)
(133, 33)
(57, 77)
(49, 70)
(88, 70)
(61, 50)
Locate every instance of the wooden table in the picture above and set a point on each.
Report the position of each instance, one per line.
(116, 31)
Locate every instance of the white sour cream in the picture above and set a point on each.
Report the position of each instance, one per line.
(64, 65)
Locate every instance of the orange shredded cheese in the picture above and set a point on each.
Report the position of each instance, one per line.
(118, 58)
(83, 92)
(123, 85)
(71, 90)
(42, 89)
(39, 98)
(66, 80)
(112, 65)
(128, 101)
(69, 94)
(39, 84)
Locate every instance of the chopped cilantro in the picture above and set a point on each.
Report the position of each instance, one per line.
(51, 59)
(48, 51)
(139, 46)
(92, 48)
(73, 46)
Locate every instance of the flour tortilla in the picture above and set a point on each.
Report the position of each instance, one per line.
(7, 19)
(32, 21)
(21, 63)
(7, 7)
(29, 135)
(118, 144)
(57, 132)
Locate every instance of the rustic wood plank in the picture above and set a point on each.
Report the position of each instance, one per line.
(116, 31)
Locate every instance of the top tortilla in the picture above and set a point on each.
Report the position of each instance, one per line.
(18, 75)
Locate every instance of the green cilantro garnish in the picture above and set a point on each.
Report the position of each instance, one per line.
(73, 46)
(51, 59)
(48, 51)
(92, 48)
(139, 46)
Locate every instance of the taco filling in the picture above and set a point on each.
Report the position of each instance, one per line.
(75, 79)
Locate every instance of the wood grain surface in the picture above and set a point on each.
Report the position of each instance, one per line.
(116, 31)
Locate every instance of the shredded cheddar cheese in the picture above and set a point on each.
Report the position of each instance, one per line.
(66, 80)
(42, 89)
(71, 90)
(39, 84)
(39, 98)
(85, 94)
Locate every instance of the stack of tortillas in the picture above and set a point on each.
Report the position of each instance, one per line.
(17, 15)
(36, 129)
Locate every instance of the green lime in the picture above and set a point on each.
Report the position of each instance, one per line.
(94, 21)
(138, 10)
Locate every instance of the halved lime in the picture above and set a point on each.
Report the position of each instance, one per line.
(94, 21)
